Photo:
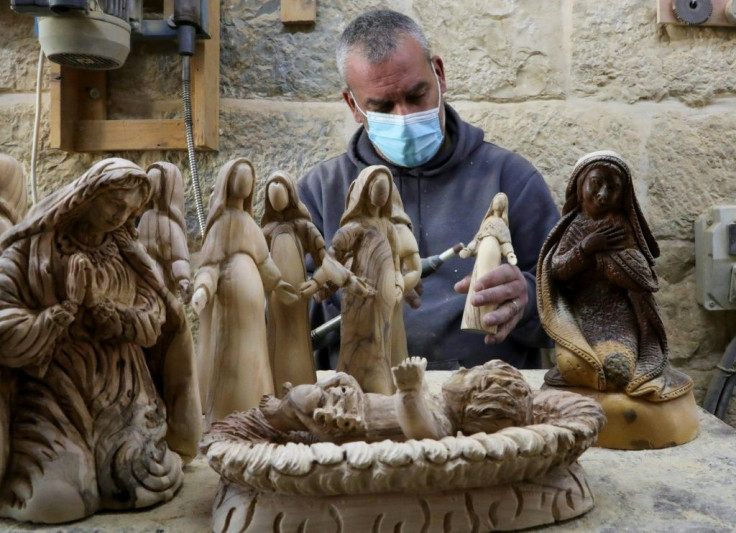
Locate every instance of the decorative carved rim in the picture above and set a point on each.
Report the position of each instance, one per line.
(245, 450)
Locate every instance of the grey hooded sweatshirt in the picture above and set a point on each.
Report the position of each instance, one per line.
(446, 199)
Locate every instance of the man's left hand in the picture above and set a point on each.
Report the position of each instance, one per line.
(505, 287)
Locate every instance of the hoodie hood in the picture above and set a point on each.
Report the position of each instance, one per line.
(462, 142)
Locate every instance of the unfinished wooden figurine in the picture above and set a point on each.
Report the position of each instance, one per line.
(490, 244)
(234, 271)
(489, 452)
(290, 235)
(93, 398)
(163, 230)
(411, 270)
(596, 300)
(367, 241)
(13, 196)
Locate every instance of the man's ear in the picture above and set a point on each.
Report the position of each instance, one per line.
(439, 69)
(348, 97)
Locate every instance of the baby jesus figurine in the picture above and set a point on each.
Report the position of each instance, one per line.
(485, 398)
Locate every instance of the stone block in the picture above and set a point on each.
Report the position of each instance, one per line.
(554, 135)
(620, 53)
(20, 49)
(690, 166)
(263, 58)
(497, 51)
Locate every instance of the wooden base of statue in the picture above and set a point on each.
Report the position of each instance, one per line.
(634, 424)
(559, 495)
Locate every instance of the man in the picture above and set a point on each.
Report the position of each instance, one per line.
(447, 176)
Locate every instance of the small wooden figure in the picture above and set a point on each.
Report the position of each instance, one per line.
(411, 270)
(163, 230)
(490, 244)
(93, 398)
(596, 286)
(13, 195)
(290, 234)
(367, 240)
(229, 286)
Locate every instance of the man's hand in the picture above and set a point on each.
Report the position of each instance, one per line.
(414, 296)
(505, 287)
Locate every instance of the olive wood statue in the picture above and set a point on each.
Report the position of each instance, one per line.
(13, 195)
(93, 395)
(235, 269)
(367, 241)
(163, 229)
(490, 244)
(411, 271)
(488, 452)
(596, 300)
(290, 235)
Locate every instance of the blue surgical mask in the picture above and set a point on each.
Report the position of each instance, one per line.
(406, 140)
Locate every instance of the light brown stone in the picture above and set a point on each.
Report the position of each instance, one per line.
(498, 51)
(620, 54)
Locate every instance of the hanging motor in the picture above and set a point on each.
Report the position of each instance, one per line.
(85, 34)
(96, 34)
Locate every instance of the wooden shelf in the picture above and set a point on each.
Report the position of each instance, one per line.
(78, 116)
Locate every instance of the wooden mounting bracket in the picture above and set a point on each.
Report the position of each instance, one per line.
(298, 11)
(78, 115)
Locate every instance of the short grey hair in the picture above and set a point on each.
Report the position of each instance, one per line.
(377, 34)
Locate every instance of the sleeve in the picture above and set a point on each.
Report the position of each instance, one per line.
(532, 215)
(28, 333)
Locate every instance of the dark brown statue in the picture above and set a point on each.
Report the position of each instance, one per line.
(596, 298)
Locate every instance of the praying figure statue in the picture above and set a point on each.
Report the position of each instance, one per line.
(94, 398)
(596, 300)
(235, 272)
(13, 196)
(290, 235)
(367, 242)
(490, 244)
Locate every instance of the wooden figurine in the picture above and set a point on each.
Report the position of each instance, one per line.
(290, 235)
(368, 242)
(235, 269)
(596, 300)
(13, 196)
(93, 399)
(485, 398)
(411, 271)
(163, 229)
(488, 452)
(490, 244)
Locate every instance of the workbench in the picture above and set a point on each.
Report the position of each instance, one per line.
(687, 488)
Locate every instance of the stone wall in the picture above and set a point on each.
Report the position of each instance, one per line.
(551, 80)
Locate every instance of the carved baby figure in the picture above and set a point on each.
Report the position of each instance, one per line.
(484, 398)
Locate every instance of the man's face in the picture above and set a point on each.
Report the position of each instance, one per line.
(402, 84)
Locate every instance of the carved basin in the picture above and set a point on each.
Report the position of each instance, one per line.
(515, 478)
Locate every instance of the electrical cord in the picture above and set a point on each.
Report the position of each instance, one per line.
(186, 95)
(36, 121)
